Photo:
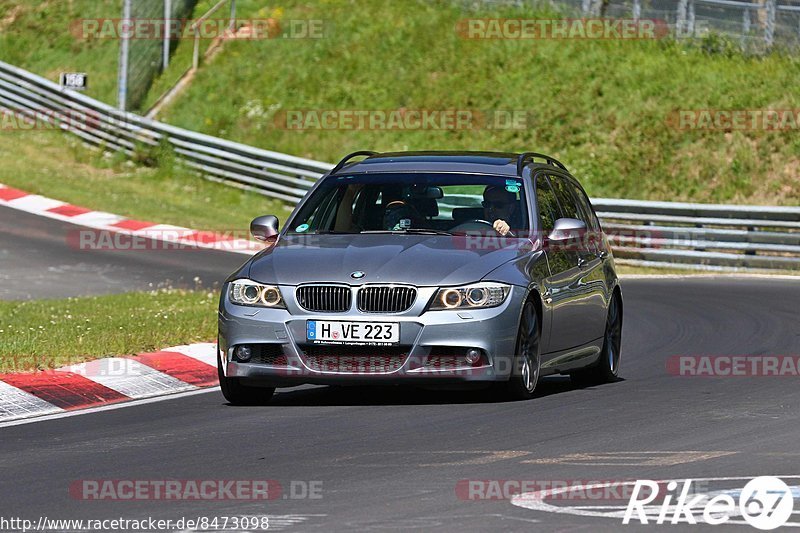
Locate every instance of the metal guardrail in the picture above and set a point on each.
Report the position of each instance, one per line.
(657, 233)
(275, 174)
(702, 235)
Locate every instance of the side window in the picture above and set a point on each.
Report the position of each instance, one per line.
(546, 205)
(585, 208)
(566, 200)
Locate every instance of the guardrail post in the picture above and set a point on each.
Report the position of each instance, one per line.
(167, 20)
(745, 24)
(586, 5)
(769, 27)
(637, 9)
(124, 52)
(196, 53)
(680, 21)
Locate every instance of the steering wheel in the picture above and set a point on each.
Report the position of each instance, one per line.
(477, 225)
(472, 225)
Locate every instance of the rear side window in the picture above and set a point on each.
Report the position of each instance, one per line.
(563, 192)
(584, 212)
(546, 205)
(585, 208)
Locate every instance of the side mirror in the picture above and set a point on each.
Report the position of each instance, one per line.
(265, 228)
(567, 229)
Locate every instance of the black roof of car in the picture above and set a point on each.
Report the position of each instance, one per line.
(502, 163)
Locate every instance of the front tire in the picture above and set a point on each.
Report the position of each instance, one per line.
(527, 359)
(238, 394)
(606, 369)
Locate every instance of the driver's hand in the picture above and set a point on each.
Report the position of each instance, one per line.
(501, 227)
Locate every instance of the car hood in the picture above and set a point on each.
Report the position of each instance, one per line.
(414, 259)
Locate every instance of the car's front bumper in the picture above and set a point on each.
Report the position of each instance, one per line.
(427, 341)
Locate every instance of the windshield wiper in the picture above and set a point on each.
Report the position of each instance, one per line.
(424, 231)
(410, 231)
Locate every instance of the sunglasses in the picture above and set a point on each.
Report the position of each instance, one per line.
(496, 205)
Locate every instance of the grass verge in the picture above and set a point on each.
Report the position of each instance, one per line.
(58, 166)
(45, 334)
(631, 270)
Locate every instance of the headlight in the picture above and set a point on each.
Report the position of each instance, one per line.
(246, 292)
(480, 295)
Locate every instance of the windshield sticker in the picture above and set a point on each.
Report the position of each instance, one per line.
(512, 188)
(301, 228)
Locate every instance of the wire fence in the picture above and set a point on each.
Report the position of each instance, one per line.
(756, 25)
(141, 60)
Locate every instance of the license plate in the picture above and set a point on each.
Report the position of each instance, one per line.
(323, 331)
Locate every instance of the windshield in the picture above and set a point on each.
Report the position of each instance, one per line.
(409, 203)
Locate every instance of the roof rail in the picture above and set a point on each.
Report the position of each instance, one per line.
(348, 157)
(523, 158)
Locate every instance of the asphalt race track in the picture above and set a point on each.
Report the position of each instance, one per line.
(41, 251)
(393, 458)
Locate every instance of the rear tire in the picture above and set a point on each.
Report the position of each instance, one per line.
(238, 394)
(527, 358)
(606, 369)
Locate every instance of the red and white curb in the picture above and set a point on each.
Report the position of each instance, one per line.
(109, 380)
(47, 207)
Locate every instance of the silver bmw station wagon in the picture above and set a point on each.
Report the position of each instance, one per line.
(426, 268)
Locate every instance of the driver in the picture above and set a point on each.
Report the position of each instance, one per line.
(500, 207)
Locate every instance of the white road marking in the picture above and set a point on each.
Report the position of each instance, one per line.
(205, 352)
(158, 228)
(417, 457)
(132, 378)
(648, 458)
(276, 522)
(34, 203)
(97, 219)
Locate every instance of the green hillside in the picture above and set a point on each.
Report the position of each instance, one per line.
(600, 106)
(39, 35)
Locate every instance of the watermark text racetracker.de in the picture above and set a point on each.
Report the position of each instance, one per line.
(159, 239)
(778, 120)
(404, 119)
(166, 239)
(561, 28)
(733, 366)
(206, 28)
(198, 523)
(194, 489)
